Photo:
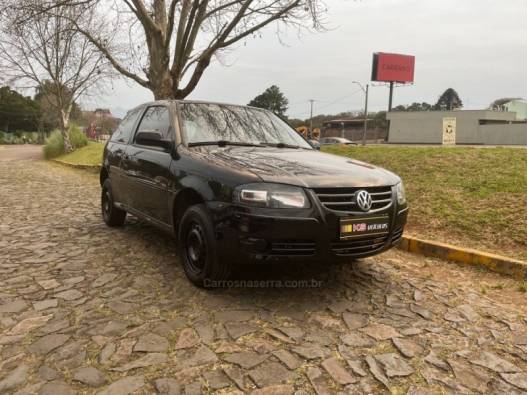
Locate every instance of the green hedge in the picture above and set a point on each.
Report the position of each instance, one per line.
(54, 145)
(19, 137)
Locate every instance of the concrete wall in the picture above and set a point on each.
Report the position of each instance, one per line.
(515, 134)
(426, 127)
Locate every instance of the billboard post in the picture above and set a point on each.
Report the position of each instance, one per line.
(392, 68)
(390, 100)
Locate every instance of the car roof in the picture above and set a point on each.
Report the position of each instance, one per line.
(177, 101)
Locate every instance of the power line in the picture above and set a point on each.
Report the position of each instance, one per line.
(310, 113)
(340, 99)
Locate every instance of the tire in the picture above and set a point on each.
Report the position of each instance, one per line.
(111, 215)
(198, 248)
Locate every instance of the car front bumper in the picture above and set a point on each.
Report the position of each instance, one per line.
(249, 234)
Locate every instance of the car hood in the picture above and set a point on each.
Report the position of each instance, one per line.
(306, 168)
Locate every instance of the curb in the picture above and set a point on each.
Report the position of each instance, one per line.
(93, 168)
(468, 256)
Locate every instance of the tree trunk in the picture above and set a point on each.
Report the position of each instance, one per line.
(162, 86)
(64, 130)
(159, 76)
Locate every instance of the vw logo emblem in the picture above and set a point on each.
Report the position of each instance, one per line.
(364, 200)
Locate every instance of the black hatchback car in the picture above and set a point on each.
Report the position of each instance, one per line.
(237, 184)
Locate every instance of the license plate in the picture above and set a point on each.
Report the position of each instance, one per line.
(355, 227)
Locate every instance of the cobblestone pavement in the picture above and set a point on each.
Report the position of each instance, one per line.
(88, 309)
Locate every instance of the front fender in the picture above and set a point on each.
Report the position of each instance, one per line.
(200, 185)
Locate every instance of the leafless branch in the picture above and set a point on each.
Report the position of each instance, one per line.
(170, 43)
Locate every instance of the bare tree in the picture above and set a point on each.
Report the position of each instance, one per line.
(166, 45)
(49, 53)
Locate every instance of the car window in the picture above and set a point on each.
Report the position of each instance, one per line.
(156, 119)
(124, 130)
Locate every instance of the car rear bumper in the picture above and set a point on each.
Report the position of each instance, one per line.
(247, 234)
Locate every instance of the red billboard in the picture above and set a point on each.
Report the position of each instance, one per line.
(392, 67)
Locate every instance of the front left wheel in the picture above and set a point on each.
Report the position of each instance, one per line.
(201, 263)
(111, 215)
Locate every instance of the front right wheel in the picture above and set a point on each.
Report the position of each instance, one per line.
(201, 264)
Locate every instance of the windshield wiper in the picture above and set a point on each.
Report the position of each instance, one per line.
(223, 143)
(280, 145)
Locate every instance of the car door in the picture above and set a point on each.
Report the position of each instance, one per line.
(115, 151)
(147, 168)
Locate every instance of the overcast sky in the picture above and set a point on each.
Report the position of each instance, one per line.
(478, 47)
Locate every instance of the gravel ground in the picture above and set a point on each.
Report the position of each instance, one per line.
(88, 309)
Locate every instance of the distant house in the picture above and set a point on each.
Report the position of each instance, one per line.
(99, 123)
(519, 106)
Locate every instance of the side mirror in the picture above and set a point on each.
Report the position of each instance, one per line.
(154, 139)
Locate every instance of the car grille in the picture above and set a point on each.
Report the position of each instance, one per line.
(358, 246)
(293, 248)
(397, 235)
(343, 199)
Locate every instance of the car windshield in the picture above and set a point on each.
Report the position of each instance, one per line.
(204, 123)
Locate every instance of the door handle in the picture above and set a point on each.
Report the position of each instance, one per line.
(124, 161)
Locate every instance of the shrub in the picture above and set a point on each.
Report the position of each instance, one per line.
(55, 143)
(77, 137)
(19, 137)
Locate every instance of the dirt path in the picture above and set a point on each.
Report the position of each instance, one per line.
(85, 308)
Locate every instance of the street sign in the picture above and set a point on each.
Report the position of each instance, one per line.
(449, 131)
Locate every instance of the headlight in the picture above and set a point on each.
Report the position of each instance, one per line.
(401, 194)
(271, 196)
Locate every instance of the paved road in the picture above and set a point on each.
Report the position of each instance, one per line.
(20, 152)
(85, 308)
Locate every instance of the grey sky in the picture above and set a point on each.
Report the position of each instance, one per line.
(478, 47)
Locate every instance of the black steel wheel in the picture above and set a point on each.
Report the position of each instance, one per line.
(198, 249)
(111, 215)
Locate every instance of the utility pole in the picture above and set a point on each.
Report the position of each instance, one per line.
(365, 115)
(365, 90)
(311, 120)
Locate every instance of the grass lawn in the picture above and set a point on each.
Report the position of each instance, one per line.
(88, 155)
(473, 197)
